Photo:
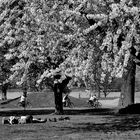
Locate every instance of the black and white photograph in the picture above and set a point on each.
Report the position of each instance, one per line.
(69, 69)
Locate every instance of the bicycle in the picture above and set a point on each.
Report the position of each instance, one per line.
(68, 103)
(95, 104)
(25, 104)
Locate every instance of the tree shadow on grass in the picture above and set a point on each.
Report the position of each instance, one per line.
(120, 124)
(130, 109)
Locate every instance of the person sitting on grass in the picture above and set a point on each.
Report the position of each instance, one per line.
(93, 99)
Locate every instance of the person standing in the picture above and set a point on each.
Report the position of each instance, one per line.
(4, 88)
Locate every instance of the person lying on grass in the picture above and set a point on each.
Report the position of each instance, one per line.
(22, 120)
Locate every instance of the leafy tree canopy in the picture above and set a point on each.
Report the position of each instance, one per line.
(89, 39)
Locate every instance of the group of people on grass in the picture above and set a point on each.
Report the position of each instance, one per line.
(22, 120)
(12, 120)
(30, 118)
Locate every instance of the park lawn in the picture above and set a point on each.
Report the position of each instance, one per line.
(42, 100)
(87, 127)
(46, 99)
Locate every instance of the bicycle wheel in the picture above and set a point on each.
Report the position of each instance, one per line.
(28, 104)
(70, 105)
(98, 105)
(64, 104)
(24, 105)
(21, 104)
(90, 105)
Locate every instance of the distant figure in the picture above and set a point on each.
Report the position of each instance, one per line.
(93, 99)
(4, 89)
(23, 99)
(65, 100)
(79, 95)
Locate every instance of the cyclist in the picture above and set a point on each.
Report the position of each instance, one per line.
(23, 98)
(65, 100)
(93, 99)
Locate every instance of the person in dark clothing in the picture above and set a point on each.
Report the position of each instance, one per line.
(4, 89)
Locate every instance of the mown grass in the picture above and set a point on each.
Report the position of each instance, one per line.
(77, 128)
(44, 99)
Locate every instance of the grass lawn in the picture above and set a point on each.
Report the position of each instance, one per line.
(43, 99)
(79, 127)
(87, 127)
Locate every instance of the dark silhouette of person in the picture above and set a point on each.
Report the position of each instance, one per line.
(4, 89)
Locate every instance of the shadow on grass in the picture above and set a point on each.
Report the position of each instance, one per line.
(131, 109)
(119, 124)
(67, 111)
(8, 101)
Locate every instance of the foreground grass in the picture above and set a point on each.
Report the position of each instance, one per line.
(79, 127)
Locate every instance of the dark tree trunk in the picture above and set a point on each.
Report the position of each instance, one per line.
(24, 89)
(4, 95)
(99, 94)
(128, 87)
(58, 90)
(58, 99)
(99, 91)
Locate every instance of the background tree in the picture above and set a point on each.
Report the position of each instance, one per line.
(4, 73)
(7, 40)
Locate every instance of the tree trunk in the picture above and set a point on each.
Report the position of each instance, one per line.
(58, 98)
(99, 91)
(4, 95)
(128, 87)
(24, 89)
(4, 91)
(58, 89)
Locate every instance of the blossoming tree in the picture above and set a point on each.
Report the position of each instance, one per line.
(113, 27)
(92, 40)
(36, 44)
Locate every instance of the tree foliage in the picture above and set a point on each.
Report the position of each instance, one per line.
(109, 32)
(90, 39)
